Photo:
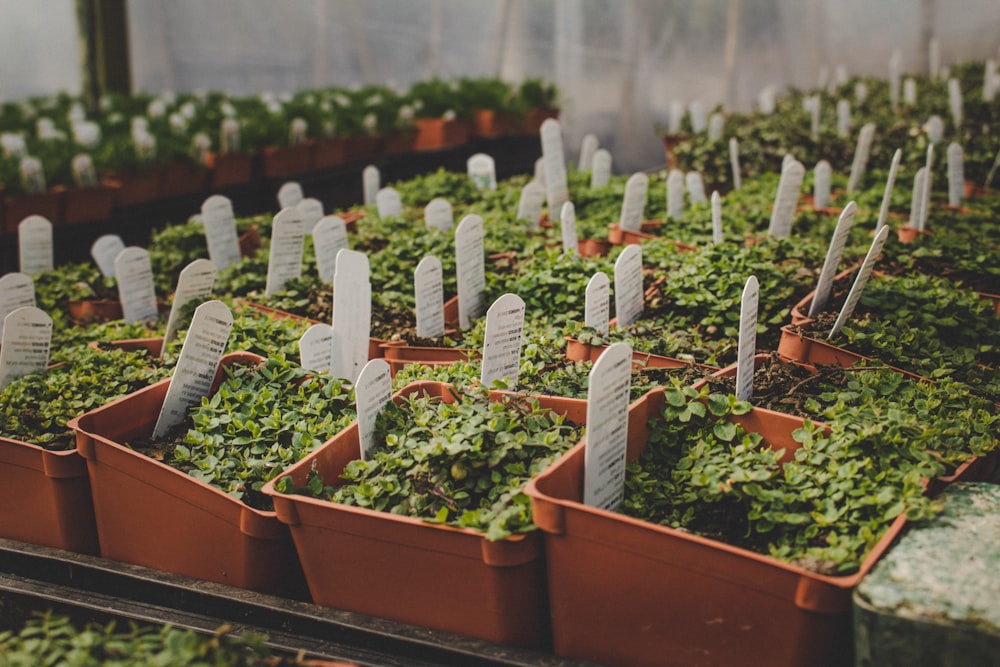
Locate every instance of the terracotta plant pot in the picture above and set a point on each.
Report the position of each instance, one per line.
(399, 354)
(179, 179)
(250, 242)
(152, 346)
(153, 515)
(907, 234)
(45, 497)
(135, 187)
(374, 344)
(90, 204)
(48, 204)
(400, 141)
(330, 153)
(531, 122)
(281, 161)
(93, 311)
(432, 575)
(490, 124)
(228, 169)
(800, 311)
(363, 148)
(593, 247)
(438, 133)
(578, 351)
(625, 591)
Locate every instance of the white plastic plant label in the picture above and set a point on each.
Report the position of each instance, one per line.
(529, 205)
(862, 152)
(588, 146)
(316, 348)
(25, 344)
(136, 289)
(917, 199)
(597, 312)
(373, 392)
(352, 314)
(890, 181)
(955, 103)
(539, 171)
(482, 170)
(438, 215)
(734, 163)
(989, 80)
(329, 238)
(289, 195)
(371, 181)
(783, 214)
(310, 210)
(104, 251)
(699, 117)
(84, 174)
(747, 345)
(716, 124)
(197, 364)
(675, 194)
(502, 342)
(814, 112)
(766, 99)
(860, 92)
(607, 428)
(956, 175)
(821, 184)
(716, 217)
(600, 172)
(428, 291)
(676, 116)
(388, 203)
(193, 284)
(628, 286)
(634, 202)
(910, 92)
(34, 245)
(567, 225)
(556, 187)
(935, 129)
(470, 266)
(695, 187)
(925, 206)
(843, 118)
(832, 261)
(284, 261)
(220, 231)
(864, 273)
(17, 290)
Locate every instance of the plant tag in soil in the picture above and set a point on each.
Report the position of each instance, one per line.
(556, 187)
(989, 80)
(329, 237)
(539, 172)
(955, 103)
(502, 342)
(607, 428)
(600, 172)
(864, 273)
(734, 163)
(925, 205)
(956, 175)
(597, 312)
(529, 205)
(567, 225)
(675, 194)
(909, 92)
(676, 116)
(634, 202)
(832, 261)
(821, 184)
(428, 291)
(786, 199)
(935, 129)
(628, 286)
(104, 251)
(917, 199)
(438, 215)
(815, 106)
(196, 365)
(372, 392)
(352, 314)
(699, 117)
(34, 245)
(716, 124)
(289, 195)
(136, 289)
(25, 344)
(716, 217)
(284, 261)
(862, 152)
(482, 170)
(766, 99)
(371, 181)
(588, 146)
(890, 181)
(310, 210)
(316, 348)
(470, 267)
(193, 284)
(388, 203)
(17, 290)
(220, 231)
(747, 345)
(695, 187)
(843, 118)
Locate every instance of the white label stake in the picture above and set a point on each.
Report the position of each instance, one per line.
(832, 261)
(588, 147)
(716, 217)
(786, 199)
(675, 194)
(428, 288)
(470, 265)
(17, 290)
(289, 195)
(316, 348)
(567, 225)
(373, 392)
(746, 348)
(104, 251)
(917, 199)
(438, 215)
(25, 344)
(136, 288)
(35, 248)
(482, 171)
(600, 173)
(821, 184)
(371, 180)
(634, 202)
(695, 187)
(890, 181)
(628, 286)
(860, 281)
(388, 203)
(734, 162)
(193, 284)
(329, 238)
(288, 237)
(862, 152)
(220, 231)
(597, 312)
(502, 342)
(556, 188)
(607, 428)
(529, 206)
(956, 175)
(352, 314)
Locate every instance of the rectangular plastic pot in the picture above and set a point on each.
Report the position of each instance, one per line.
(153, 515)
(625, 591)
(281, 161)
(404, 569)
